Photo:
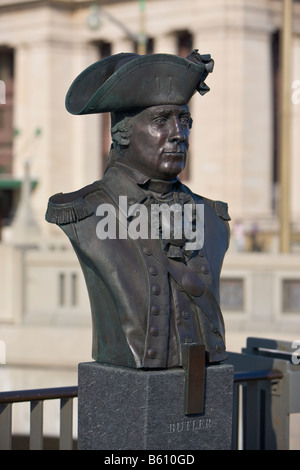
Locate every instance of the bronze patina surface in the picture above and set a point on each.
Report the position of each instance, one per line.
(150, 297)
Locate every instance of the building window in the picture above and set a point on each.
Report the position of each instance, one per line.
(149, 46)
(6, 110)
(74, 289)
(232, 294)
(68, 284)
(276, 109)
(291, 296)
(184, 43)
(62, 289)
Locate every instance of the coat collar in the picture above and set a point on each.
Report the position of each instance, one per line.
(137, 187)
(146, 183)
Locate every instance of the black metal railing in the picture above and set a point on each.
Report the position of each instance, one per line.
(36, 399)
(251, 423)
(249, 414)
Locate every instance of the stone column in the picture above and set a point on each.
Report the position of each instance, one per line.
(85, 146)
(231, 138)
(165, 44)
(58, 154)
(295, 135)
(122, 45)
(34, 108)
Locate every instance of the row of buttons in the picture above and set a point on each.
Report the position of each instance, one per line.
(193, 283)
(155, 288)
(155, 309)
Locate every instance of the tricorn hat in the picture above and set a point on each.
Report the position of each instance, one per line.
(126, 81)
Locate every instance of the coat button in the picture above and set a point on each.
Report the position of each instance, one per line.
(151, 353)
(201, 252)
(186, 315)
(188, 339)
(154, 331)
(147, 251)
(205, 269)
(155, 310)
(193, 284)
(153, 270)
(156, 289)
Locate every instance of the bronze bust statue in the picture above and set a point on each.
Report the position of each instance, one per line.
(149, 295)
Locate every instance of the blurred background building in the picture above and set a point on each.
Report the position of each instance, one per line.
(245, 150)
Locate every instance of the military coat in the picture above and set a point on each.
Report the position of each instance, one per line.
(145, 301)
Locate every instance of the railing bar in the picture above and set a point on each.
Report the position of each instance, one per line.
(66, 395)
(241, 438)
(66, 424)
(235, 416)
(72, 392)
(5, 426)
(252, 417)
(38, 394)
(36, 425)
(257, 375)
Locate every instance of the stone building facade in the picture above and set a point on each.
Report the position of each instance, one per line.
(233, 153)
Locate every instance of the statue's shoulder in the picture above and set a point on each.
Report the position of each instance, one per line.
(219, 207)
(66, 208)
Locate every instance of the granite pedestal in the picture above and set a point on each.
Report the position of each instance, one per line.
(130, 409)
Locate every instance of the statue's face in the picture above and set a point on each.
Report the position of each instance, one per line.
(159, 141)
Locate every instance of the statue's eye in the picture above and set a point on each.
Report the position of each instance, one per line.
(160, 119)
(185, 120)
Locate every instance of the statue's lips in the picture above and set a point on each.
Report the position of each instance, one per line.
(175, 154)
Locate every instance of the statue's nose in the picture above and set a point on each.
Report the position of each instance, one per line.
(177, 133)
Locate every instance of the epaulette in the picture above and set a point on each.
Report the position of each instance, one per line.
(221, 209)
(70, 207)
